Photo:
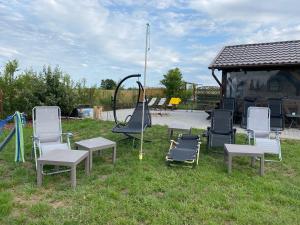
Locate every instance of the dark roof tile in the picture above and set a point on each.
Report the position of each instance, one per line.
(262, 54)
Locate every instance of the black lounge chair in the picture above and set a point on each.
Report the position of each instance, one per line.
(221, 131)
(134, 124)
(185, 150)
(248, 102)
(277, 118)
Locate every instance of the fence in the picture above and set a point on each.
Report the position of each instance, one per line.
(207, 97)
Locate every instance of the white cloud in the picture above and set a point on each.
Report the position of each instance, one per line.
(9, 52)
(95, 39)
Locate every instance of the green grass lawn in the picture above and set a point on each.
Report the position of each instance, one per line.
(149, 192)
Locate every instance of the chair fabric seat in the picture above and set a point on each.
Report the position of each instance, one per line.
(134, 125)
(218, 140)
(182, 154)
(271, 146)
(127, 129)
(49, 146)
(186, 149)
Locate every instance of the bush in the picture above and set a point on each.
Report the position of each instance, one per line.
(28, 89)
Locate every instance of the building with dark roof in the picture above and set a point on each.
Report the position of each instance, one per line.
(261, 71)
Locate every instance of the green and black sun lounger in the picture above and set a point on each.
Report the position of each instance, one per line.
(185, 150)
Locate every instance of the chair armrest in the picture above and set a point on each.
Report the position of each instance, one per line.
(34, 138)
(250, 131)
(173, 143)
(68, 134)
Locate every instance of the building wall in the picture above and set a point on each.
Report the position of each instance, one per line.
(265, 84)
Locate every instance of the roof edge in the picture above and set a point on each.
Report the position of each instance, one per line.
(217, 56)
(262, 43)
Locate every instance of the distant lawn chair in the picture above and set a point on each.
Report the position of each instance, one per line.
(277, 117)
(47, 132)
(151, 103)
(248, 102)
(161, 105)
(259, 131)
(221, 131)
(185, 150)
(174, 102)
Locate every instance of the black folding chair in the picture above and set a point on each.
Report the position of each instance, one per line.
(228, 103)
(221, 131)
(184, 151)
(277, 118)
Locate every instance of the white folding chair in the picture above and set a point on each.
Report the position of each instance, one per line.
(259, 130)
(47, 131)
(152, 102)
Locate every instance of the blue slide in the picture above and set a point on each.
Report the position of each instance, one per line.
(7, 139)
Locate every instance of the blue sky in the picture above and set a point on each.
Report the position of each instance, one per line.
(105, 39)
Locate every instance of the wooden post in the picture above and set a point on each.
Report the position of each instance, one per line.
(224, 83)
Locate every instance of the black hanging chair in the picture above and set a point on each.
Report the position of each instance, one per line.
(133, 123)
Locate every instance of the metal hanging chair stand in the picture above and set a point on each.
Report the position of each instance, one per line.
(132, 127)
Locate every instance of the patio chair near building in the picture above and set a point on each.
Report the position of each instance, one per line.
(185, 150)
(47, 131)
(259, 131)
(248, 102)
(277, 116)
(221, 131)
(228, 103)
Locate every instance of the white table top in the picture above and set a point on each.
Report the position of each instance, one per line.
(95, 143)
(65, 156)
(179, 126)
(234, 148)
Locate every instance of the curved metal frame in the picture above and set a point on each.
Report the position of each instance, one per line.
(117, 89)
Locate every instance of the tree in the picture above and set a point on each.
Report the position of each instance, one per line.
(7, 85)
(173, 83)
(108, 84)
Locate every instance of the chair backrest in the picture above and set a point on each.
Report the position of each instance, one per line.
(247, 104)
(228, 103)
(275, 106)
(152, 101)
(162, 101)
(46, 122)
(222, 121)
(136, 118)
(258, 119)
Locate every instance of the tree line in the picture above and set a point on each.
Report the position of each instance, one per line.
(22, 90)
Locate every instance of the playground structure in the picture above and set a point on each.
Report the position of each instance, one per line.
(17, 130)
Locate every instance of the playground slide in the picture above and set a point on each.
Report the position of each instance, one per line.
(7, 139)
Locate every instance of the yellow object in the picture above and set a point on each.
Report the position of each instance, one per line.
(141, 156)
(174, 101)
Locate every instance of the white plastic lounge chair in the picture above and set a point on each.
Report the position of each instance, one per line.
(161, 104)
(259, 130)
(152, 102)
(47, 130)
